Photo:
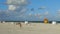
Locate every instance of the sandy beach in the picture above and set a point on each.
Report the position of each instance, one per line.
(33, 28)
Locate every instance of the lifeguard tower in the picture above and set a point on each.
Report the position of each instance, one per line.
(45, 20)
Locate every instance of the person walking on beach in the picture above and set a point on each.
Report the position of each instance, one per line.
(19, 24)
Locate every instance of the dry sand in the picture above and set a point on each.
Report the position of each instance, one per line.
(33, 28)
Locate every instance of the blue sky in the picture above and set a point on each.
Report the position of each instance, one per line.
(51, 11)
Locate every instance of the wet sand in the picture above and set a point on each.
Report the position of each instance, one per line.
(33, 28)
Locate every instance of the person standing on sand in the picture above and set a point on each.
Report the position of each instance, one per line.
(19, 24)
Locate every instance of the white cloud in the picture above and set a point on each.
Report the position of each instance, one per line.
(15, 10)
(22, 0)
(42, 7)
(30, 14)
(46, 13)
(23, 10)
(20, 16)
(58, 12)
(12, 7)
(17, 4)
(16, 1)
(38, 15)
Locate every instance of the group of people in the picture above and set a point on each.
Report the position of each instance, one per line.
(20, 24)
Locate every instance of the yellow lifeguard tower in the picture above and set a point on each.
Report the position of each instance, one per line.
(45, 20)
